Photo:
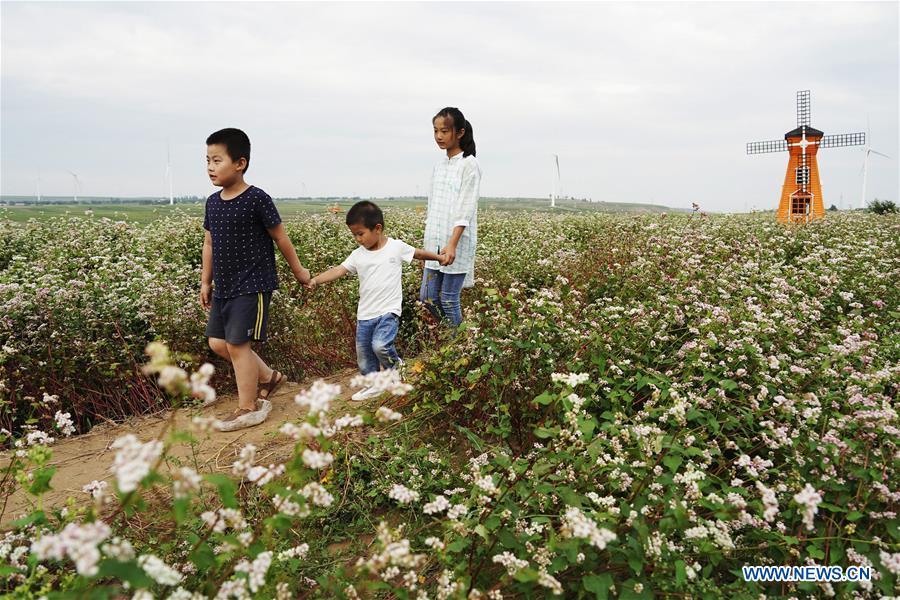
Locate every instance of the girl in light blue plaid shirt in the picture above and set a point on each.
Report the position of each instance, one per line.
(451, 225)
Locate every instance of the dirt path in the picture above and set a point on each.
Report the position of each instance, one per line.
(87, 457)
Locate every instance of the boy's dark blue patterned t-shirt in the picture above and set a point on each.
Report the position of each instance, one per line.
(243, 252)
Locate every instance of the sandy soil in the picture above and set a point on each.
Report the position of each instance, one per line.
(87, 457)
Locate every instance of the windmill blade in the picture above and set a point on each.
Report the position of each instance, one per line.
(878, 153)
(803, 108)
(766, 147)
(843, 139)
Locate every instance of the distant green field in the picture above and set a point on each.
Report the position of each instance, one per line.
(289, 208)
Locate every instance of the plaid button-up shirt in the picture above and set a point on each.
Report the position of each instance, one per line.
(453, 201)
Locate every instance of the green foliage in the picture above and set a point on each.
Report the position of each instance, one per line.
(635, 408)
(883, 207)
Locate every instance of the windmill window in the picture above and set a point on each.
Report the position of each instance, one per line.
(802, 175)
(800, 205)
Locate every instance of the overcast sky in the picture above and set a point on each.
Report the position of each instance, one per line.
(643, 102)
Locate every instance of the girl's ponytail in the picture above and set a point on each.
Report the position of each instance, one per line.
(467, 141)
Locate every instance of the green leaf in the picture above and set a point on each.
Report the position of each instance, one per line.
(672, 461)
(482, 531)
(545, 398)
(226, 487)
(37, 517)
(180, 507)
(457, 545)
(815, 552)
(474, 439)
(204, 557)
(854, 515)
(636, 563)
(125, 571)
(569, 496)
(546, 432)
(598, 584)
(41, 482)
(680, 572)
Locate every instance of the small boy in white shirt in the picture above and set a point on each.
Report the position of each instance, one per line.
(378, 264)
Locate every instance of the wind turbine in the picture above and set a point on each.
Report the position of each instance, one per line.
(554, 194)
(77, 186)
(865, 167)
(169, 173)
(38, 187)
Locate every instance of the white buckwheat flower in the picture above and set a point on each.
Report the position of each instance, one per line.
(78, 542)
(769, 501)
(256, 570)
(578, 525)
(244, 463)
(508, 559)
(185, 481)
(133, 460)
(402, 494)
(571, 379)
(64, 423)
(317, 494)
(438, 505)
(384, 414)
(317, 399)
(159, 571)
(388, 380)
(809, 499)
(316, 460)
(263, 475)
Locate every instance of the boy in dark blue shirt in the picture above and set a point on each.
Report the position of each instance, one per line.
(241, 224)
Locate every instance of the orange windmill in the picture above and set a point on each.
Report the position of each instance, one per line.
(801, 194)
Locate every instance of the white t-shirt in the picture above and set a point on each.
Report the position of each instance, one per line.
(380, 278)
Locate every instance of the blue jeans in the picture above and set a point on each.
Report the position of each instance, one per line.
(440, 293)
(375, 343)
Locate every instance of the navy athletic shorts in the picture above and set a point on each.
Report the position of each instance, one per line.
(239, 319)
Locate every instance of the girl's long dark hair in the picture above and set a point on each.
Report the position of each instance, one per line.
(467, 141)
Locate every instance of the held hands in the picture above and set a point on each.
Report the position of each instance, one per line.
(303, 277)
(449, 254)
(443, 260)
(311, 284)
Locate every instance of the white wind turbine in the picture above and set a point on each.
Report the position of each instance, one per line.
(554, 194)
(865, 168)
(38, 186)
(77, 188)
(169, 174)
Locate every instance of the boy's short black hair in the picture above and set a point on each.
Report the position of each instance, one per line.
(236, 143)
(367, 213)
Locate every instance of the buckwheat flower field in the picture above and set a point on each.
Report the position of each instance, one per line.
(636, 407)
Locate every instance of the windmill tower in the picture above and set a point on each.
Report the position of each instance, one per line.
(77, 186)
(169, 174)
(554, 193)
(865, 170)
(801, 194)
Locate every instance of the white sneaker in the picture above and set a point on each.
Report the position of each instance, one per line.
(366, 393)
(263, 408)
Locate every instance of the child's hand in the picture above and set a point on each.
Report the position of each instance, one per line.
(205, 296)
(311, 284)
(443, 259)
